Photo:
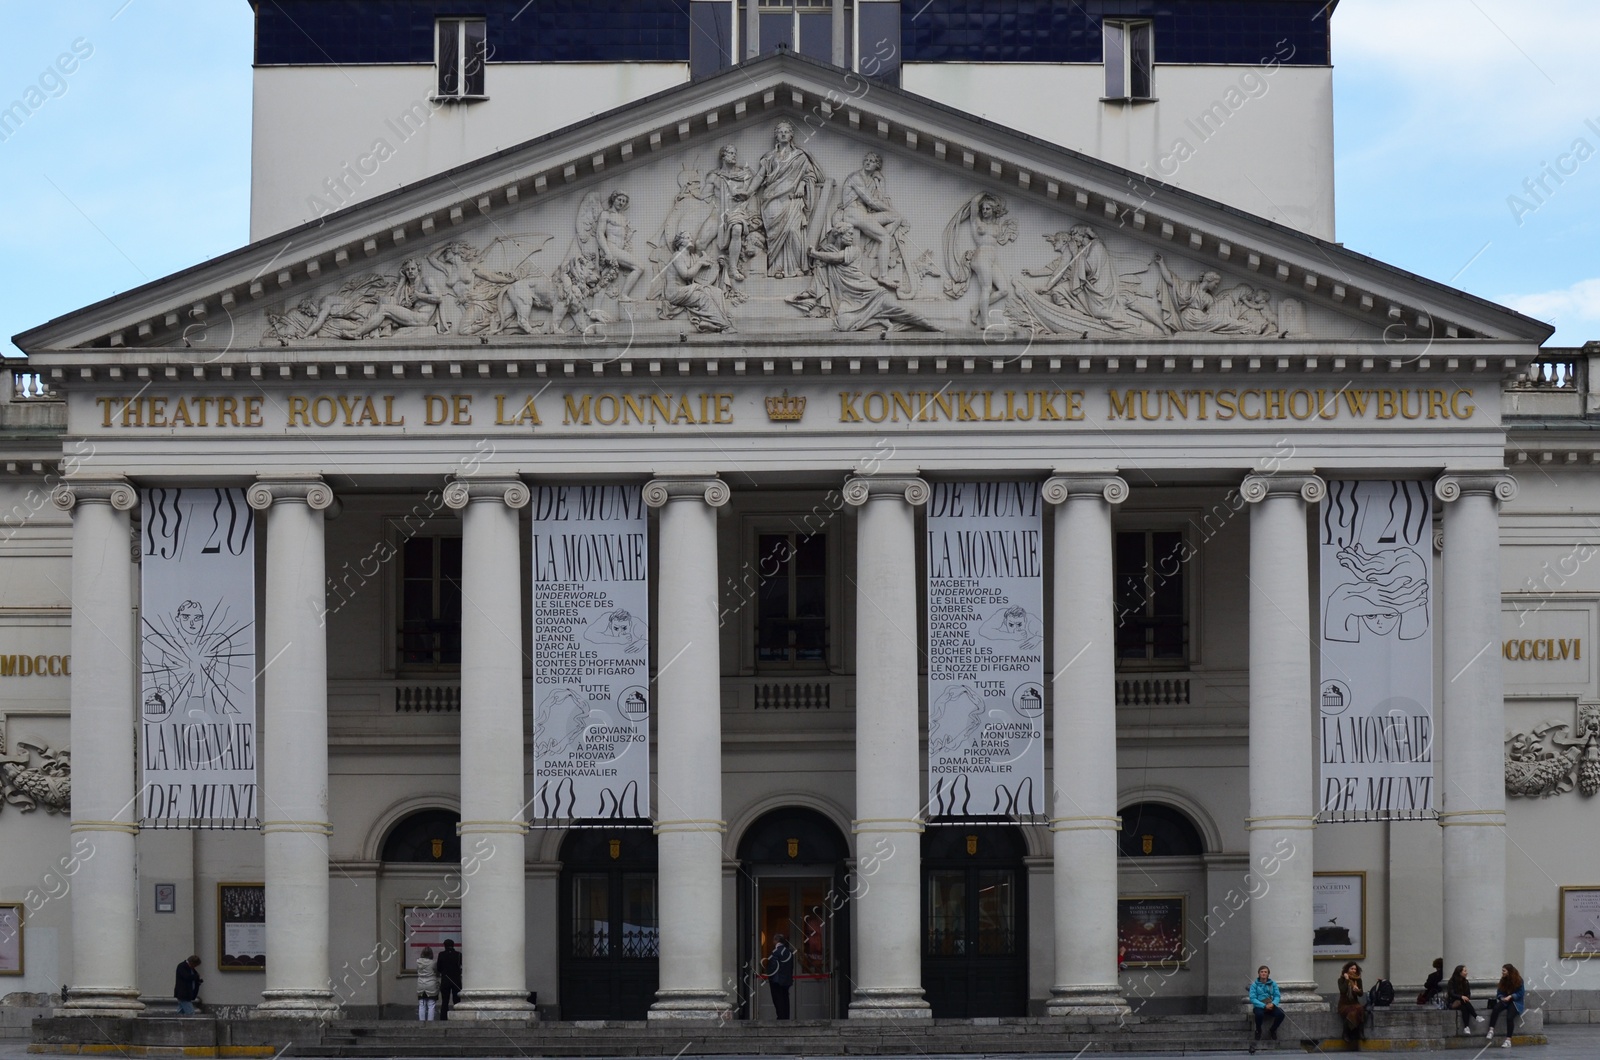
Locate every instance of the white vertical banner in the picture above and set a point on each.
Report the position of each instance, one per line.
(1377, 650)
(197, 659)
(985, 649)
(591, 652)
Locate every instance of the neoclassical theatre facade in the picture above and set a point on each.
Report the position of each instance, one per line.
(759, 510)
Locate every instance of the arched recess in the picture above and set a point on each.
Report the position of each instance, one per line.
(1163, 893)
(975, 921)
(372, 845)
(1188, 805)
(417, 854)
(609, 929)
(792, 863)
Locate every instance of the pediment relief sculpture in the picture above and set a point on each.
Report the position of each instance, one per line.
(815, 238)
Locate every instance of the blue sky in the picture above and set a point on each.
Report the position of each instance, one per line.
(137, 163)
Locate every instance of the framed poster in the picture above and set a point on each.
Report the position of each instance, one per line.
(1339, 916)
(427, 925)
(166, 898)
(1580, 921)
(241, 927)
(10, 938)
(1150, 931)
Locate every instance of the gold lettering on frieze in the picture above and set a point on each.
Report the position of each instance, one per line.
(1548, 649)
(1286, 403)
(959, 406)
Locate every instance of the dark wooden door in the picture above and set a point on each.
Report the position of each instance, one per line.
(974, 917)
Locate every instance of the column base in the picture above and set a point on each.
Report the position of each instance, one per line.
(890, 1003)
(297, 1005)
(690, 1005)
(494, 1005)
(101, 1001)
(1302, 997)
(1104, 1000)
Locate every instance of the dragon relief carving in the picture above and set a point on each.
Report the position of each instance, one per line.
(28, 784)
(1571, 759)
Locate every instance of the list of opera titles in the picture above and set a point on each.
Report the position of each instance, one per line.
(985, 649)
(591, 653)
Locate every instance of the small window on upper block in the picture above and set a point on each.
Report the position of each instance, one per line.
(1130, 59)
(463, 53)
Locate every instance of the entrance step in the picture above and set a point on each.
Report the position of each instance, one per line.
(1175, 1035)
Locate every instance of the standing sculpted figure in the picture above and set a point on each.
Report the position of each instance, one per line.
(787, 180)
(616, 240)
(738, 218)
(972, 242)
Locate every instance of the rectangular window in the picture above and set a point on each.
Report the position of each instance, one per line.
(878, 50)
(997, 913)
(641, 921)
(591, 916)
(430, 603)
(463, 53)
(711, 37)
(1129, 59)
(947, 913)
(1152, 610)
(792, 598)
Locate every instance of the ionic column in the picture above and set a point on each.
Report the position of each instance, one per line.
(105, 913)
(889, 801)
(493, 828)
(689, 750)
(1084, 752)
(1282, 764)
(294, 754)
(1473, 794)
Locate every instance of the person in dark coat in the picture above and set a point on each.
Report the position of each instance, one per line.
(780, 974)
(187, 987)
(449, 977)
(1435, 984)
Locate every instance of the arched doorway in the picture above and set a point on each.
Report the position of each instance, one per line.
(791, 880)
(610, 938)
(419, 856)
(975, 921)
(1162, 905)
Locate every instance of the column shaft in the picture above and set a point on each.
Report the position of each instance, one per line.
(1084, 749)
(689, 751)
(294, 759)
(1473, 803)
(888, 751)
(1282, 765)
(105, 918)
(493, 828)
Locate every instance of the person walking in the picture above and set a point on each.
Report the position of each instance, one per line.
(1510, 997)
(1352, 1006)
(1266, 1002)
(187, 987)
(1434, 984)
(1458, 995)
(427, 985)
(780, 975)
(449, 965)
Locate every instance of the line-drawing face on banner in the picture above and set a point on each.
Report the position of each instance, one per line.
(1377, 655)
(591, 653)
(197, 657)
(985, 649)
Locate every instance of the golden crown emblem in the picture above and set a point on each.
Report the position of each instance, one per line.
(785, 409)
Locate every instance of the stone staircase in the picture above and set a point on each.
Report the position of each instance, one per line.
(1393, 1029)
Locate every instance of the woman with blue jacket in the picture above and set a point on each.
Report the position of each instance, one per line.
(1510, 997)
(1266, 1003)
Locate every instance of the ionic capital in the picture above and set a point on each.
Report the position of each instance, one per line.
(1257, 488)
(309, 490)
(861, 489)
(1113, 489)
(713, 491)
(1452, 486)
(513, 493)
(115, 492)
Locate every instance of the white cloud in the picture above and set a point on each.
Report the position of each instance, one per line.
(1565, 307)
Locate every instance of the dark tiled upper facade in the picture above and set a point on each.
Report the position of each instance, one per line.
(322, 32)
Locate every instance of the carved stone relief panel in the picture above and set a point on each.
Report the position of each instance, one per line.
(817, 234)
(33, 775)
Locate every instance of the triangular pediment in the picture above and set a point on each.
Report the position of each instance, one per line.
(748, 208)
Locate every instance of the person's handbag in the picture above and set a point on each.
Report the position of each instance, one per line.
(1422, 997)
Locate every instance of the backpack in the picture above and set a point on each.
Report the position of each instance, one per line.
(1381, 995)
